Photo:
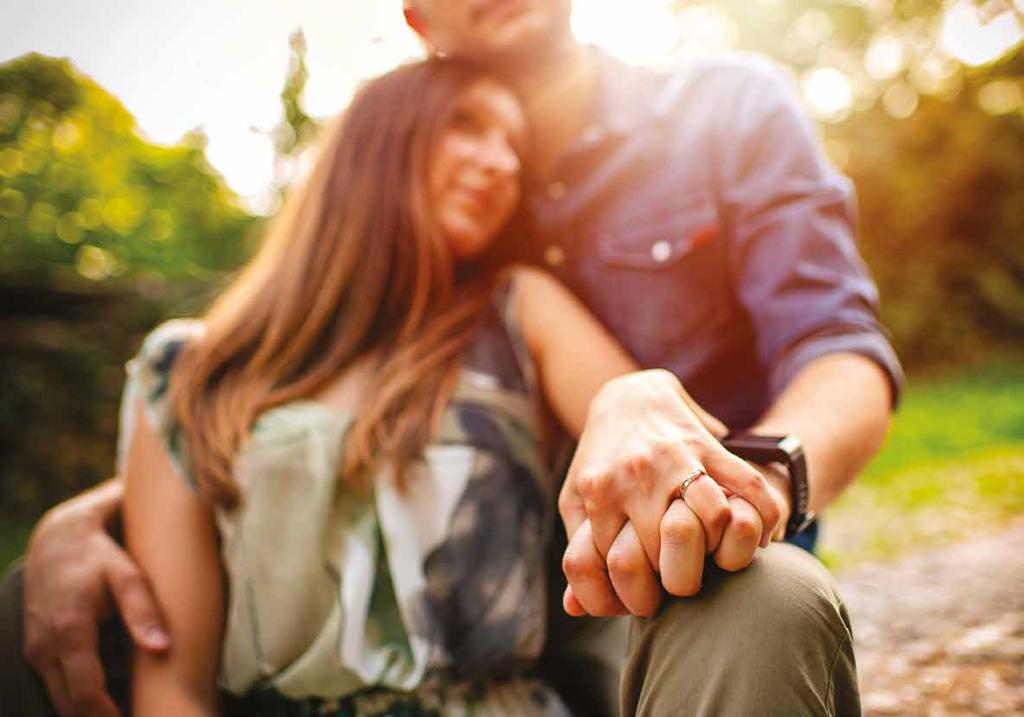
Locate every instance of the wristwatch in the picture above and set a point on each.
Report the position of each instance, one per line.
(787, 451)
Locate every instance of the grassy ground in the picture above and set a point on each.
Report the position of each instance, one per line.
(953, 467)
(13, 536)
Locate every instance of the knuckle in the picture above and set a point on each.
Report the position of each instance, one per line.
(719, 518)
(639, 463)
(576, 566)
(622, 564)
(676, 531)
(67, 622)
(594, 483)
(746, 528)
(663, 448)
(699, 444)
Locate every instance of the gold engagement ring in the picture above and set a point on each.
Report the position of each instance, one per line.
(697, 473)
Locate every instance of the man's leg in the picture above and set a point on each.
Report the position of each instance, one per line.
(773, 639)
(22, 693)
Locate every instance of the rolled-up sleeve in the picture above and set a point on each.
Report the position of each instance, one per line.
(791, 220)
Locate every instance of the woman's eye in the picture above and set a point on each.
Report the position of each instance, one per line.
(465, 122)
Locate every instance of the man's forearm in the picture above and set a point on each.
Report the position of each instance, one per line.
(839, 406)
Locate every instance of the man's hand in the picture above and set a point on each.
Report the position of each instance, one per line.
(642, 437)
(72, 569)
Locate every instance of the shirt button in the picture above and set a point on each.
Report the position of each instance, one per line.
(554, 255)
(556, 190)
(661, 251)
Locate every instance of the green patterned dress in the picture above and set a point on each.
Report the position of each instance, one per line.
(428, 601)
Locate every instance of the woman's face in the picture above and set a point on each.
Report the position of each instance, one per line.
(473, 176)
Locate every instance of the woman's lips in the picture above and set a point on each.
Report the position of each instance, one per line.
(491, 10)
(478, 199)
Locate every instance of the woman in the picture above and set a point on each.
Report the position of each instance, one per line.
(359, 423)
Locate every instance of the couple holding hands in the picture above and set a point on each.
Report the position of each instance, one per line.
(338, 488)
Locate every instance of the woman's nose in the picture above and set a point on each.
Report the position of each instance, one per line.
(498, 156)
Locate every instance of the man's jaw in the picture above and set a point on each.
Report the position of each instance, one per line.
(493, 11)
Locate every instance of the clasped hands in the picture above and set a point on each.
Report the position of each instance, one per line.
(630, 534)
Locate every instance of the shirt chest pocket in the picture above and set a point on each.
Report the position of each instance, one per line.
(665, 277)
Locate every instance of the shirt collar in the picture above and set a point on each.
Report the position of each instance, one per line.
(626, 97)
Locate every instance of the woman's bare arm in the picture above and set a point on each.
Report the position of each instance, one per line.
(574, 353)
(170, 532)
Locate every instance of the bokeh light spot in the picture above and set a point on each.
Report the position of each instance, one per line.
(975, 42)
(885, 57)
(10, 162)
(95, 263)
(42, 218)
(12, 203)
(66, 136)
(1000, 97)
(900, 100)
(69, 228)
(829, 93)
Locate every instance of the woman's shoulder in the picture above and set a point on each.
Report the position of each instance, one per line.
(162, 345)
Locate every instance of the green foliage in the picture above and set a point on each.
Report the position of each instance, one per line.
(951, 417)
(102, 234)
(953, 466)
(81, 192)
(297, 128)
(936, 161)
(942, 205)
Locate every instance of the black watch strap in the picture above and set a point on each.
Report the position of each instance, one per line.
(787, 451)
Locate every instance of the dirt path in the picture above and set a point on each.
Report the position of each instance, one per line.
(941, 632)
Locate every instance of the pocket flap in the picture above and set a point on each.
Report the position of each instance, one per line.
(658, 241)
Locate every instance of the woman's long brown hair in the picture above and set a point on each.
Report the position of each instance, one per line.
(354, 263)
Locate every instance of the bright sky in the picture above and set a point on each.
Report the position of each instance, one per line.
(220, 64)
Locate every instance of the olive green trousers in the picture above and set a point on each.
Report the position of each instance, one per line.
(773, 639)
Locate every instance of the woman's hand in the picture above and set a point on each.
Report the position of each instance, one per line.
(72, 570)
(642, 437)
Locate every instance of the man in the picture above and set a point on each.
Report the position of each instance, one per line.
(694, 215)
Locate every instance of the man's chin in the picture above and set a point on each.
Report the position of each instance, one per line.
(519, 42)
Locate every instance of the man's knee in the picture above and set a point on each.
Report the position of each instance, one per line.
(775, 633)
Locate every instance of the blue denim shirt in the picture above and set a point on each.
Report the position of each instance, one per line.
(698, 219)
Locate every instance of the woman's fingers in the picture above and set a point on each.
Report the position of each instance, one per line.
(631, 574)
(745, 481)
(707, 501)
(741, 536)
(682, 550)
(585, 570)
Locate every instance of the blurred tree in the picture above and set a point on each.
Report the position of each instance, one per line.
(296, 131)
(81, 193)
(101, 235)
(922, 103)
